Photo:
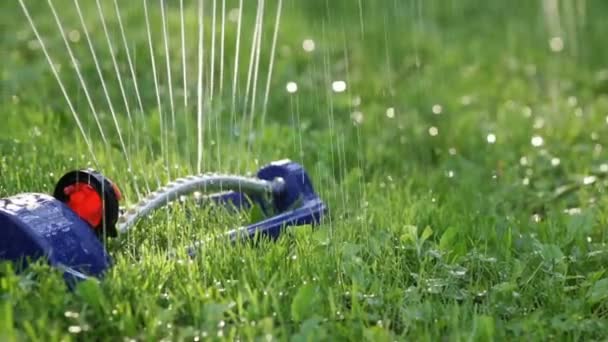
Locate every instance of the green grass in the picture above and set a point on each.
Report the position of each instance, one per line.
(430, 237)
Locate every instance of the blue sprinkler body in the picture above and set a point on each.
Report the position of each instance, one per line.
(34, 226)
(38, 225)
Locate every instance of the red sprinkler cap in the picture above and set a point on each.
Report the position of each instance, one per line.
(93, 197)
(86, 202)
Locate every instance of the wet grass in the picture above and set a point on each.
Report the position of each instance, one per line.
(464, 167)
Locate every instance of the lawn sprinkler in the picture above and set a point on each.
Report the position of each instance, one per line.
(68, 228)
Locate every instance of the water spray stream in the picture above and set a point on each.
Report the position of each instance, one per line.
(254, 41)
(271, 62)
(136, 86)
(223, 37)
(114, 63)
(184, 76)
(61, 86)
(254, 87)
(78, 73)
(168, 62)
(163, 139)
(212, 67)
(212, 86)
(103, 84)
(236, 65)
(199, 88)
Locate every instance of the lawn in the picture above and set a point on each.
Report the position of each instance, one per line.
(460, 146)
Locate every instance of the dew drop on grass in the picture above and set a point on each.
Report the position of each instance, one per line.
(588, 180)
(338, 86)
(357, 117)
(233, 15)
(390, 113)
(308, 45)
(75, 329)
(292, 87)
(539, 123)
(71, 314)
(491, 138)
(433, 131)
(452, 151)
(604, 168)
(537, 141)
(74, 36)
(556, 44)
(437, 109)
(555, 162)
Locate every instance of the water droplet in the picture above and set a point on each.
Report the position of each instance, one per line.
(452, 151)
(437, 109)
(555, 161)
(525, 181)
(604, 168)
(539, 123)
(357, 117)
(356, 101)
(75, 329)
(433, 131)
(292, 87)
(74, 36)
(390, 112)
(589, 180)
(556, 44)
(233, 15)
(450, 174)
(527, 112)
(573, 211)
(491, 138)
(308, 45)
(338, 86)
(537, 141)
(523, 161)
(71, 314)
(33, 44)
